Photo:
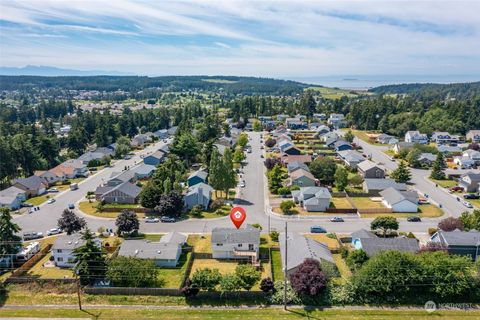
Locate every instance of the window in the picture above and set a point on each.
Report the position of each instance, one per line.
(59, 259)
(239, 245)
(59, 250)
(219, 244)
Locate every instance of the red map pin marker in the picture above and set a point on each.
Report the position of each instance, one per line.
(237, 215)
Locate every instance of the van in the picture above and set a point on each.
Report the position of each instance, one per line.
(32, 235)
(74, 186)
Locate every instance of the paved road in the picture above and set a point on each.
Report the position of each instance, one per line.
(420, 180)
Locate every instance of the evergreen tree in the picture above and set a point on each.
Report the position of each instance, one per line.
(437, 168)
(10, 243)
(215, 171)
(402, 173)
(89, 259)
(229, 176)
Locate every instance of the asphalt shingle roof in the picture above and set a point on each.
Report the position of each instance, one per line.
(231, 235)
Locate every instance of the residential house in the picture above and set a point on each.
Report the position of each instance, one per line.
(473, 155)
(400, 201)
(91, 156)
(161, 134)
(155, 158)
(220, 148)
(296, 124)
(445, 138)
(33, 185)
(386, 139)
(416, 137)
(174, 237)
(63, 172)
(427, 159)
(117, 178)
(12, 198)
(295, 165)
(143, 171)
(79, 168)
(105, 151)
(139, 140)
(198, 176)
(49, 177)
(63, 247)
(304, 158)
(300, 248)
(123, 193)
(469, 181)
(400, 146)
(316, 199)
(292, 150)
(165, 254)
(226, 141)
(322, 129)
(330, 141)
(284, 144)
(337, 120)
(301, 178)
(320, 116)
(351, 158)
(473, 136)
(370, 170)
(464, 162)
(449, 149)
(341, 145)
(199, 194)
(462, 243)
(172, 130)
(373, 245)
(232, 243)
(377, 185)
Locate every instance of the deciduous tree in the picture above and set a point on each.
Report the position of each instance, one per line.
(70, 222)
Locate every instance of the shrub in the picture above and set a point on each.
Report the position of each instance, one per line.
(258, 226)
(274, 236)
(206, 279)
(432, 231)
(248, 275)
(356, 259)
(216, 204)
(267, 285)
(278, 295)
(287, 206)
(189, 290)
(308, 279)
(283, 191)
(196, 211)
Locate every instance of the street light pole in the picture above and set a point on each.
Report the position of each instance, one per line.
(285, 271)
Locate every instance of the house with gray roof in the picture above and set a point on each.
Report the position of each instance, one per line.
(196, 177)
(341, 145)
(375, 245)
(362, 233)
(165, 254)
(301, 178)
(295, 165)
(416, 137)
(464, 162)
(314, 199)
(445, 138)
(155, 158)
(123, 193)
(105, 151)
(469, 181)
(300, 248)
(161, 134)
(63, 247)
(174, 237)
(449, 149)
(117, 178)
(91, 156)
(33, 185)
(172, 130)
(400, 146)
(386, 139)
(143, 171)
(232, 243)
(199, 194)
(220, 147)
(12, 198)
(463, 243)
(351, 158)
(400, 201)
(139, 140)
(377, 185)
(473, 155)
(370, 170)
(426, 158)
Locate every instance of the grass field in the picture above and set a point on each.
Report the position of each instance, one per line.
(38, 270)
(332, 93)
(331, 243)
(90, 209)
(344, 270)
(366, 203)
(340, 203)
(36, 201)
(255, 314)
(200, 243)
(172, 277)
(425, 211)
(475, 202)
(277, 272)
(445, 183)
(209, 214)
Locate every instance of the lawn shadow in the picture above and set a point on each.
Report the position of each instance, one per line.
(91, 314)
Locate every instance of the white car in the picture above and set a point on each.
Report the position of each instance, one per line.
(50, 201)
(151, 220)
(467, 204)
(53, 231)
(242, 184)
(52, 190)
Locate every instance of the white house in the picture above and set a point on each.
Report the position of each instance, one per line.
(416, 137)
(464, 162)
(473, 135)
(445, 138)
(400, 201)
(63, 247)
(231, 243)
(12, 198)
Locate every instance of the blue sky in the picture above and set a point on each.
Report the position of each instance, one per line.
(259, 38)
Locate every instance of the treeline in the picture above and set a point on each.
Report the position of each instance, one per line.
(134, 84)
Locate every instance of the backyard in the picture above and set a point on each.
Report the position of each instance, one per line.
(366, 203)
(200, 243)
(424, 211)
(38, 270)
(172, 277)
(277, 272)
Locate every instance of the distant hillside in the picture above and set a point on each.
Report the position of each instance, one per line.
(432, 90)
(53, 71)
(133, 84)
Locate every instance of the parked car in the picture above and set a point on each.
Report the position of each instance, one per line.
(74, 186)
(52, 190)
(414, 219)
(50, 201)
(317, 229)
(54, 231)
(467, 204)
(27, 205)
(456, 189)
(471, 196)
(32, 235)
(337, 219)
(242, 184)
(151, 220)
(71, 206)
(261, 156)
(167, 219)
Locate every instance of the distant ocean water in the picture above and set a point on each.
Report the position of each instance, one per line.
(371, 81)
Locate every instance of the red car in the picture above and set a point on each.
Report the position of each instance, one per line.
(456, 189)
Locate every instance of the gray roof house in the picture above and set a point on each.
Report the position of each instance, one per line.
(62, 249)
(232, 243)
(416, 137)
(198, 176)
(301, 178)
(351, 157)
(123, 193)
(314, 199)
(105, 151)
(12, 198)
(377, 185)
(143, 171)
(469, 181)
(33, 185)
(301, 248)
(374, 245)
(174, 237)
(91, 155)
(165, 254)
(155, 158)
(161, 134)
(400, 201)
(117, 178)
(427, 158)
(198, 194)
(370, 170)
(449, 149)
(400, 146)
(460, 242)
(386, 139)
(295, 165)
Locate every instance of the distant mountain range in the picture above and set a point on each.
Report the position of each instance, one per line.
(48, 71)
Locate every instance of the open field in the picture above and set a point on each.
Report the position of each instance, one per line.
(36, 201)
(255, 314)
(340, 203)
(332, 93)
(209, 214)
(342, 266)
(425, 211)
(475, 202)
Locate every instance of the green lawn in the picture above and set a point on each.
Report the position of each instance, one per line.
(445, 183)
(475, 202)
(332, 93)
(425, 211)
(90, 209)
(344, 270)
(254, 314)
(209, 214)
(38, 270)
(200, 243)
(277, 266)
(340, 203)
(36, 201)
(366, 203)
(172, 277)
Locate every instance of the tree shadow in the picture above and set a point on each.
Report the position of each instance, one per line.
(305, 312)
(91, 314)
(242, 202)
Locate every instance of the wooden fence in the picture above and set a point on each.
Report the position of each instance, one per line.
(31, 262)
(341, 210)
(375, 210)
(188, 269)
(132, 291)
(38, 280)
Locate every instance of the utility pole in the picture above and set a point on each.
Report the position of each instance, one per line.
(268, 224)
(78, 294)
(285, 271)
